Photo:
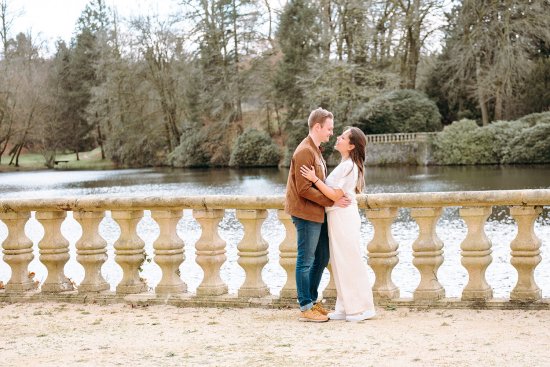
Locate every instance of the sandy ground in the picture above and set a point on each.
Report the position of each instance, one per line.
(55, 334)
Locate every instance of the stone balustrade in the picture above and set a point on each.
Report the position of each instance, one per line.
(398, 138)
(253, 251)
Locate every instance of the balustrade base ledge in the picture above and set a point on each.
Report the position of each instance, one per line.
(270, 301)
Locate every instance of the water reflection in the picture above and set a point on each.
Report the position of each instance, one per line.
(456, 178)
(262, 181)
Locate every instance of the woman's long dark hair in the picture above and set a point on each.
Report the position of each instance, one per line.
(358, 154)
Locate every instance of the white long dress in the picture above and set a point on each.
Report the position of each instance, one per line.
(353, 288)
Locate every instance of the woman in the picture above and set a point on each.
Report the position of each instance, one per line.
(354, 300)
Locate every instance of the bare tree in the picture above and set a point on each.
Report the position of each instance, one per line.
(490, 50)
(7, 17)
(159, 46)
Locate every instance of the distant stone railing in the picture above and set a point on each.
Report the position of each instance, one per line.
(169, 250)
(398, 138)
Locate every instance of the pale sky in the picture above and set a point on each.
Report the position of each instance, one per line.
(53, 19)
(49, 20)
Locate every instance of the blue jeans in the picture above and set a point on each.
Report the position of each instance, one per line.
(312, 259)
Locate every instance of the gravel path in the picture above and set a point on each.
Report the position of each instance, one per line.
(55, 334)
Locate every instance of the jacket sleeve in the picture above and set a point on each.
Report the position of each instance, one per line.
(305, 188)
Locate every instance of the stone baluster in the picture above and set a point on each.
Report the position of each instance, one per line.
(382, 252)
(129, 253)
(54, 252)
(169, 252)
(288, 253)
(476, 253)
(252, 253)
(428, 254)
(210, 250)
(330, 290)
(17, 249)
(525, 253)
(91, 251)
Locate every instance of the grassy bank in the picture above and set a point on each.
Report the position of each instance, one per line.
(32, 161)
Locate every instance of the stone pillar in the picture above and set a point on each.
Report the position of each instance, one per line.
(17, 249)
(129, 253)
(288, 253)
(382, 252)
(91, 251)
(169, 252)
(525, 253)
(54, 252)
(210, 250)
(476, 253)
(330, 290)
(428, 254)
(252, 253)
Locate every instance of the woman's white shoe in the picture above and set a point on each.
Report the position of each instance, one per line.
(336, 316)
(360, 317)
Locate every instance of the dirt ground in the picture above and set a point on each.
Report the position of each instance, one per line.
(56, 334)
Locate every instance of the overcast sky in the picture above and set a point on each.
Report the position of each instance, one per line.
(53, 19)
(49, 20)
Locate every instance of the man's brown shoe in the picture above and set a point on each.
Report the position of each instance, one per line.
(317, 307)
(312, 315)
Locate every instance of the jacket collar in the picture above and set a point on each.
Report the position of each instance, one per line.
(319, 152)
(312, 144)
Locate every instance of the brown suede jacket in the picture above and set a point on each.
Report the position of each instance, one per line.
(303, 199)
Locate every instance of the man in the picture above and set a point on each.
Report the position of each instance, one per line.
(306, 204)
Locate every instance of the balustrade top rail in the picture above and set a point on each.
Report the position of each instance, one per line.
(169, 249)
(397, 138)
(369, 201)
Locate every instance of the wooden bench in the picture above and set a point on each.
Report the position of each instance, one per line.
(57, 162)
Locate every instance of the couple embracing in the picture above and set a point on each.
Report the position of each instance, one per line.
(325, 213)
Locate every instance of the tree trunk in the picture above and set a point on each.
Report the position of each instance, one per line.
(13, 152)
(168, 137)
(19, 153)
(270, 23)
(268, 112)
(498, 106)
(6, 139)
(238, 99)
(480, 95)
(327, 27)
(278, 118)
(50, 159)
(100, 141)
(3, 148)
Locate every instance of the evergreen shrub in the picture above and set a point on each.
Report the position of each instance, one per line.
(536, 118)
(462, 142)
(530, 145)
(128, 149)
(254, 148)
(400, 111)
(201, 146)
(526, 140)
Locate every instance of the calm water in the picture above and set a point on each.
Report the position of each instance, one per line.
(262, 181)
(145, 182)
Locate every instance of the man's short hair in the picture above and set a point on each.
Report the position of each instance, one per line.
(318, 116)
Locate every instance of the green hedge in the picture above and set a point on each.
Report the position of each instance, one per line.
(399, 111)
(201, 146)
(531, 145)
(254, 148)
(526, 140)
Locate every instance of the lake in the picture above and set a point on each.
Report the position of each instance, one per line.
(262, 181)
